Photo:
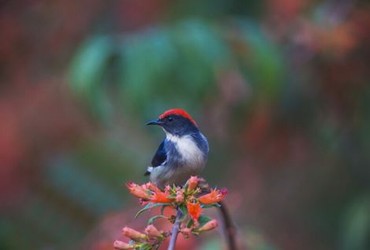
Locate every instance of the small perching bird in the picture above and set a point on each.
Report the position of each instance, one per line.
(182, 153)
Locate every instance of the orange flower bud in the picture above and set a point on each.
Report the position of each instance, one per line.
(153, 232)
(133, 234)
(213, 197)
(122, 245)
(193, 182)
(138, 190)
(194, 210)
(212, 224)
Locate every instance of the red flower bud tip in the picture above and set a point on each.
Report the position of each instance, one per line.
(153, 232)
(193, 182)
(212, 197)
(133, 234)
(194, 210)
(180, 196)
(122, 245)
(210, 225)
(160, 197)
(138, 190)
(224, 191)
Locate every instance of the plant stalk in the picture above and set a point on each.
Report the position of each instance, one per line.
(175, 230)
(229, 227)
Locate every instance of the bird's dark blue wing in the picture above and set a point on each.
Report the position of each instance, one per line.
(159, 158)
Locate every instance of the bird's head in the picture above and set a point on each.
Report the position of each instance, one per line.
(176, 122)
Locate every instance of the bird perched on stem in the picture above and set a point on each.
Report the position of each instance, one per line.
(182, 153)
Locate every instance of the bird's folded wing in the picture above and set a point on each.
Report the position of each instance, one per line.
(158, 159)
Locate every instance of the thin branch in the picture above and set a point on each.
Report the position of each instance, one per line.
(229, 227)
(175, 230)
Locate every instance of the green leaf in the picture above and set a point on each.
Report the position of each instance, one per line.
(184, 211)
(203, 220)
(210, 205)
(152, 219)
(149, 206)
(190, 224)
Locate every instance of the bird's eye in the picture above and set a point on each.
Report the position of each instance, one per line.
(170, 119)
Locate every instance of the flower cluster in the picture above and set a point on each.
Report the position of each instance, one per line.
(190, 200)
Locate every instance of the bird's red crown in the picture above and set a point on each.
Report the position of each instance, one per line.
(180, 112)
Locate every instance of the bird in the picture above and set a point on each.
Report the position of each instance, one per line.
(182, 153)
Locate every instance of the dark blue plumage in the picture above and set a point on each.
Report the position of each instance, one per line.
(159, 158)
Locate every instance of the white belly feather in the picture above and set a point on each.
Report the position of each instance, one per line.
(188, 150)
(192, 157)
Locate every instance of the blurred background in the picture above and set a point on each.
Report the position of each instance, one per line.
(280, 87)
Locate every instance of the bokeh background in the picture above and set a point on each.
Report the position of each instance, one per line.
(280, 87)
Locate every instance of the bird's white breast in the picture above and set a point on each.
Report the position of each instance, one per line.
(188, 149)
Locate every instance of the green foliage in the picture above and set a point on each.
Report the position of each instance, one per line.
(174, 65)
(264, 63)
(89, 64)
(88, 72)
(356, 228)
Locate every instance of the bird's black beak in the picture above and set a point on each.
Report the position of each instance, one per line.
(155, 122)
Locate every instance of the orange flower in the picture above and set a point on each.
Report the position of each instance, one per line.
(213, 197)
(212, 224)
(138, 190)
(160, 197)
(194, 210)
